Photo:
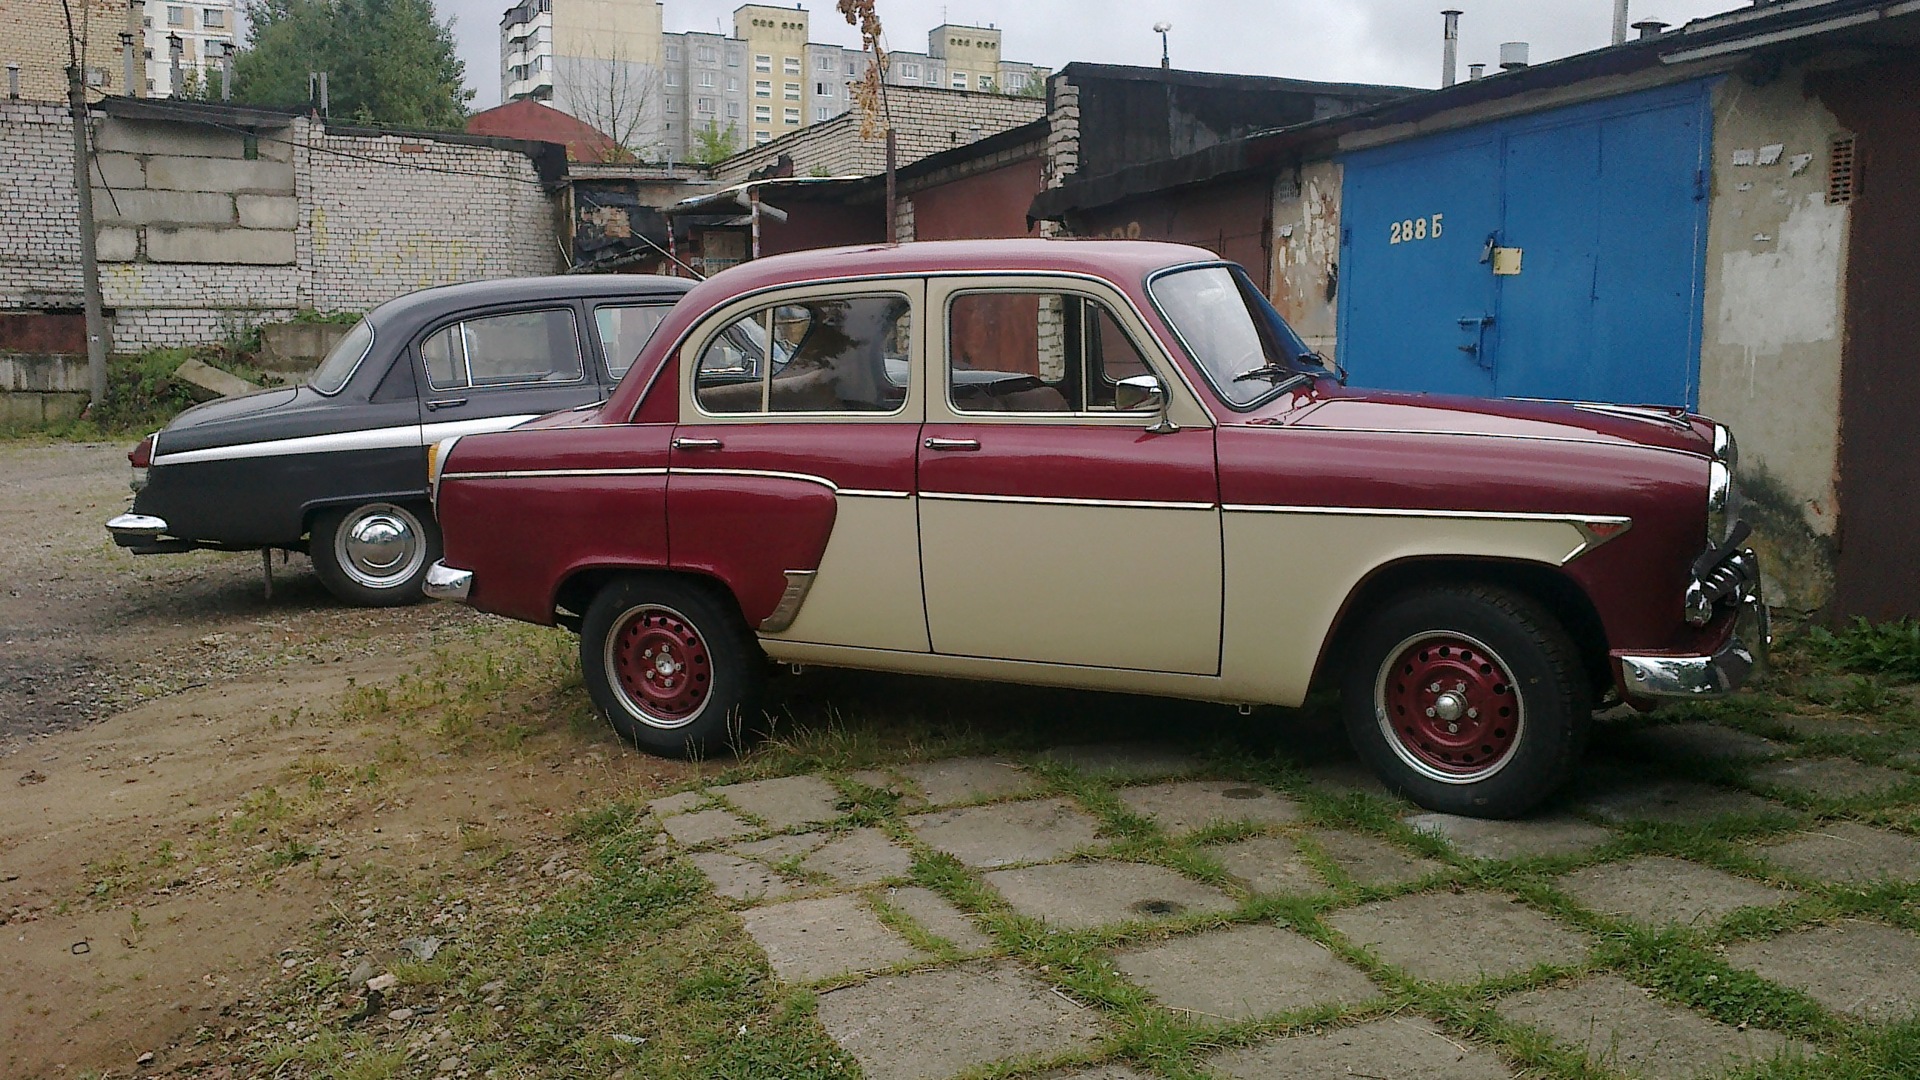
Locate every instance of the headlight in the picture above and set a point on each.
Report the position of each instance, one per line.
(1719, 501)
(1724, 448)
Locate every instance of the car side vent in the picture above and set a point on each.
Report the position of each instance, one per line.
(1842, 173)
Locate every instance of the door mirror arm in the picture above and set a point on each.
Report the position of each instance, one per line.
(1141, 392)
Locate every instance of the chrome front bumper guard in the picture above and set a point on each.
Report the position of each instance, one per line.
(135, 530)
(1658, 678)
(446, 583)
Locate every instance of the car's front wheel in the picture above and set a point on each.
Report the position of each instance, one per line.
(671, 665)
(375, 554)
(1468, 700)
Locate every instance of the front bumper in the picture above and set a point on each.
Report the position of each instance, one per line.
(446, 583)
(1657, 677)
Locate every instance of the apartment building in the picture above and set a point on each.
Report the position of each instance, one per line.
(36, 47)
(765, 79)
(205, 31)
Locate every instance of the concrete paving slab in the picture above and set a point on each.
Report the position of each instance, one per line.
(1848, 851)
(1243, 973)
(1185, 805)
(676, 804)
(1866, 970)
(1269, 865)
(1007, 833)
(705, 826)
(1557, 834)
(1081, 896)
(1813, 727)
(878, 779)
(1830, 778)
(1097, 1072)
(779, 848)
(1701, 741)
(970, 779)
(932, 1024)
(1341, 778)
(784, 802)
(860, 857)
(1679, 802)
(1371, 861)
(1620, 1026)
(939, 918)
(1124, 760)
(811, 939)
(1453, 937)
(1397, 1048)
(739, 879)
(1658, 889)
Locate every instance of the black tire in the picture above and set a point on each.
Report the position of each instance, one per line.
(672, 665)
(1468, 700)
(376, 554)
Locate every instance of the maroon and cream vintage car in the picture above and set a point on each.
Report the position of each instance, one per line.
(1110, 465)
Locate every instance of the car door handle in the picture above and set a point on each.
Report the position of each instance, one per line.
(696, 444)
(953, 444)
(446, 403)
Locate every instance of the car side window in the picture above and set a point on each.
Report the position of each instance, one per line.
(1036, 352)
(624, 330)
(825, 355)
(504, 350)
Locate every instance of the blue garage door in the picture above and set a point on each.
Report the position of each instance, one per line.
(1556, 255)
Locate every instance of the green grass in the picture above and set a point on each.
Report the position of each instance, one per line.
(639, 948)
(143, 393)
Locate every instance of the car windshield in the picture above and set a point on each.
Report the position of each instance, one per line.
(1245, 348)
(337, 368)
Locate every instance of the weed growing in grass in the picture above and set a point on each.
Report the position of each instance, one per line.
(1891, 649)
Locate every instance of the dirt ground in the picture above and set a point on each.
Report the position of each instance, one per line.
(180, 798)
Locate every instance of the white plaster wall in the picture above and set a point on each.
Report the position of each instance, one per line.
(1306, 251)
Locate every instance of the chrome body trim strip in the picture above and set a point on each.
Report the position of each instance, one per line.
(1135, 504)
(874, 493)
(514, 474)
(1394, 511)
(764, 474)
(137, 526)
(799, 583)
(1474, 434)
(446, 583)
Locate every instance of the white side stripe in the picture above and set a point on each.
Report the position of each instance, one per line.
(387, 438)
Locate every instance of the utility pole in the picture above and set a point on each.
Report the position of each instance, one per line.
(89, 258)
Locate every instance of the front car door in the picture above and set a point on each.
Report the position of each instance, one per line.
(1056, 525)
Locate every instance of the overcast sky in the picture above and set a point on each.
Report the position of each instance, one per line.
(1375, 41)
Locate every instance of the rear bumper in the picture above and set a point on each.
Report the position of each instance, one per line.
(446, 583)
(136, 530)
(1660, 677)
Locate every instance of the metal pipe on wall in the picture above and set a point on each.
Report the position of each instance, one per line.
(1450, 49)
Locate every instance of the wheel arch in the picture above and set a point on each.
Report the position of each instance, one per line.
(1547, 585)
(580, 584)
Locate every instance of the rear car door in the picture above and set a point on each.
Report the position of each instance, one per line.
(492, 369)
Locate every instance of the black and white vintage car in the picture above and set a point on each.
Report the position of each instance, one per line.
(338, 467)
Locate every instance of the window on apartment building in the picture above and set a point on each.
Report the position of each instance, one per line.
(986, 83)
(910, 72)
(821, 112)
(733, 109)
(673, 104)
(213, 19)
(793, 117)
(762, 137)
(673, 78)
(852, 68)
(762, 62)
(1016, 83)
(733, 85)
(763, 114)
(790, 64)
(792, 91)
(959, 80)
(706, 79)
(821, 89)
(706, 106)
(673, 52)
(707, 54)
(176, 16)
(762, 88)
(733, 57)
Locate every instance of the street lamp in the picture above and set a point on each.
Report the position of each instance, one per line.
(1161, 28)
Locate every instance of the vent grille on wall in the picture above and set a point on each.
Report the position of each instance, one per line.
(1841, 171)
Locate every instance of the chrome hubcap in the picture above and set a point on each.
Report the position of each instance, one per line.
(380, 546)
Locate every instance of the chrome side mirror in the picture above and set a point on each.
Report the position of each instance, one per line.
(1141, 392)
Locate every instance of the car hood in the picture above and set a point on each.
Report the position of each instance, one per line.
(1391, 411)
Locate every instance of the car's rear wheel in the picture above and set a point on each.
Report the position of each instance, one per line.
(671, 665)
(375, 554)
(1468, 700)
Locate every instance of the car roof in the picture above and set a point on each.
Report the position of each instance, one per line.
(428, 303)
(1113, 259)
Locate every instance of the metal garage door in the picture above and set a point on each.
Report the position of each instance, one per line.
(1554, 255)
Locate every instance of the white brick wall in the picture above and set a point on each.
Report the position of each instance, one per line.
(925, 120)
(378, 217)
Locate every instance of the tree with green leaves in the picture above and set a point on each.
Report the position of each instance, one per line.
(388, 62)
(711, 145)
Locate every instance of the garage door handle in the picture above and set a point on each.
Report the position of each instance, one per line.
(697, 444)
(446, 403)
(953, 444)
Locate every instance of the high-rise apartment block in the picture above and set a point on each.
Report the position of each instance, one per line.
(204, 32)
(36, 50)
(765, 79)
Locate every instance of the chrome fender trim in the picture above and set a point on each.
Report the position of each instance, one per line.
(798, 584)
(446, 583)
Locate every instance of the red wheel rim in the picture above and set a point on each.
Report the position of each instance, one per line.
(1448, 706)
(660, 664)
